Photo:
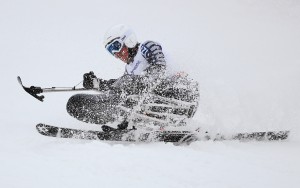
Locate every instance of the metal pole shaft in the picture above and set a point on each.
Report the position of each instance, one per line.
(56, 89)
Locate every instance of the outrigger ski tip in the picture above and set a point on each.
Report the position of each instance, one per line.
(19, 80)
(33, 91)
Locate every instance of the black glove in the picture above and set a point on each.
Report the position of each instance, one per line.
(88, 80)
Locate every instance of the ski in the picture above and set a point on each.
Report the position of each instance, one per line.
(132, 135)
(126, 135)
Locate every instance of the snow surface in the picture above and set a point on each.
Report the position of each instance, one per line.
(245, 55)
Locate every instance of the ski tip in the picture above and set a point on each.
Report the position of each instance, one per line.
(47, 130)
(39, 126)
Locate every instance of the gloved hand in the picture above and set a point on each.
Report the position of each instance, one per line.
(89, 80)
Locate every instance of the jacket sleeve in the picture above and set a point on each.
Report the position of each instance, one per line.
(152, 52)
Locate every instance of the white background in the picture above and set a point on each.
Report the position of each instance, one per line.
(245, 55)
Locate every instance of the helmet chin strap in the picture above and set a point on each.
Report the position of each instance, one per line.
(132, 53)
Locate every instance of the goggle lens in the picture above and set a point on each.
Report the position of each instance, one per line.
(114, 47)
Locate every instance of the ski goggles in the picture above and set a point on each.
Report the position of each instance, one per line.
(115, 46)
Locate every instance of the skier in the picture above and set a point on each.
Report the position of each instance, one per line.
(144, 94)
(145, 71)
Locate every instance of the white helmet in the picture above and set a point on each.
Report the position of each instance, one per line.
(122, 32)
